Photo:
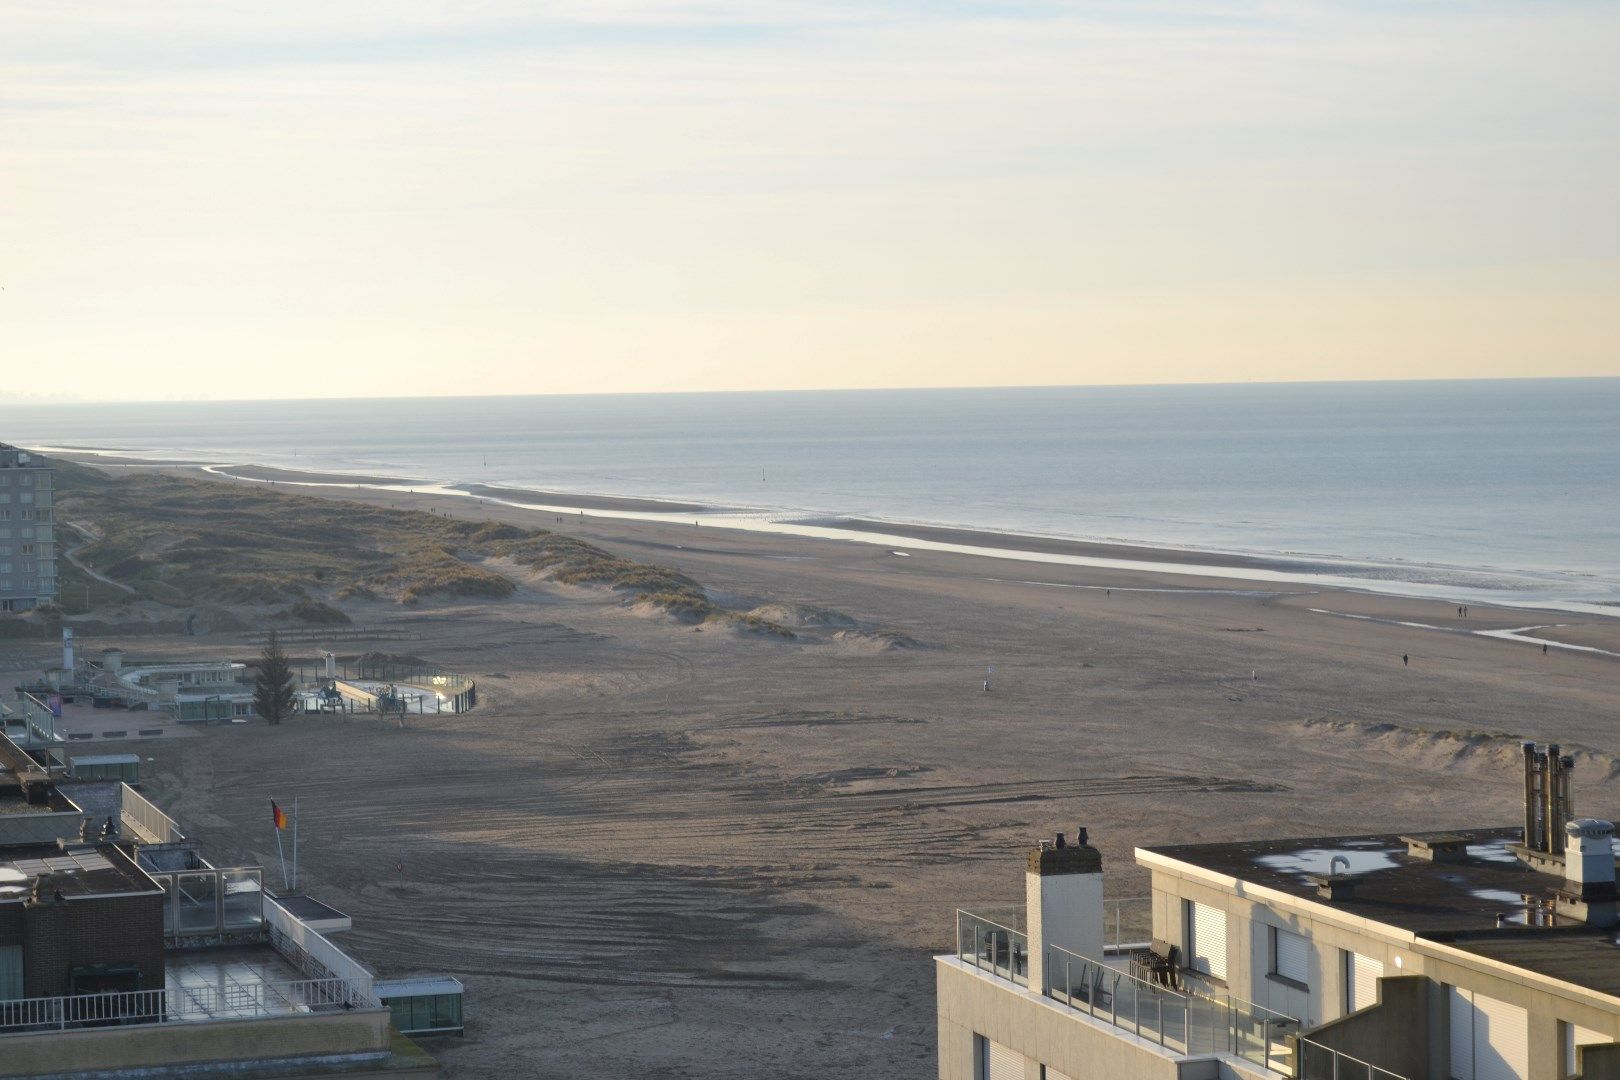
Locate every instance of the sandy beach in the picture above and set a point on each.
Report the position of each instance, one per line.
(693, 851)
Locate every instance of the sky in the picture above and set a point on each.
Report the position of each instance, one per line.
(226, 199)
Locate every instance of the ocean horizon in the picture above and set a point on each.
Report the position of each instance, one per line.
(1483, 490)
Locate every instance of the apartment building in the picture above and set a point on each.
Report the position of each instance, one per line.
(27, 531)
(1483, 954)
(125, 952)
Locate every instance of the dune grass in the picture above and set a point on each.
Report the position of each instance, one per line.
(180, 541)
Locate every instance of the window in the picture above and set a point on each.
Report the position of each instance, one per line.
(997, 1062)
(1577, 1036)
(1206, 939)
(1290, 956)
(11, 972)
(1361, 975)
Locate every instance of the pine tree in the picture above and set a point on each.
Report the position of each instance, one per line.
(273, 696)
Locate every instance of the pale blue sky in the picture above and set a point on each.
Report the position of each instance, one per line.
(404, 197)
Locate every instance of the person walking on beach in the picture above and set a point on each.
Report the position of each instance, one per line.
(1406, 661)
(1543, 648)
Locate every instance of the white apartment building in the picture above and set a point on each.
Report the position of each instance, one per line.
(1487, 954)
(27, 531)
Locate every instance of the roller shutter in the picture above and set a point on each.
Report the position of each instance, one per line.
(1361, 975)
(1291, 955)
(1207, 949)
(1490, 1039)
(1049, 1073)
(1000, 1063)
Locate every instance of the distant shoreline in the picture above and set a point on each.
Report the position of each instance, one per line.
(1279, 569)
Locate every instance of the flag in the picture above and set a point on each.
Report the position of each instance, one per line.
(278, 815)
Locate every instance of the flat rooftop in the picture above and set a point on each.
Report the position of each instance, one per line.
(1452, 902)
(239, 982)
(309, 909)
(79, 870)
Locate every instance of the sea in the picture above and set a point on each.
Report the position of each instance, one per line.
(1502, 491)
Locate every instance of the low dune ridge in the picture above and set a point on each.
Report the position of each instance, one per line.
(802, 616)
(1484, 751)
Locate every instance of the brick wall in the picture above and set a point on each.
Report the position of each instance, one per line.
(58, 937)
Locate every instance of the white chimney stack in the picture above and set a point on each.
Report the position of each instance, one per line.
(1588, 893)
(1063, 891)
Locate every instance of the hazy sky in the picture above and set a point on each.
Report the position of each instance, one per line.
(378, 197)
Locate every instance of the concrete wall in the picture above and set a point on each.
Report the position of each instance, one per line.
(1394, 1034)
(972, 1002)
(1249, 948)
(293, 1037)
(1599, 1063)
(1251, 910)
(46, 827)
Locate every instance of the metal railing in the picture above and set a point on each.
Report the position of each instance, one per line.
(1182, 1022)
(992, 947)
(1128, 923)
(312, 953)
(1185, 1023)
(1318, 1062)
(135, 811)
(181, 1005)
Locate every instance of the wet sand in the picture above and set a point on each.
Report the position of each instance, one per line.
(1054, 546)
(668, 850)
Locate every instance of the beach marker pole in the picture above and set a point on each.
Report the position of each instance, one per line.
(295, 842)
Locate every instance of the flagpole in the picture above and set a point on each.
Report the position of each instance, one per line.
(283, 856)
(295, 841)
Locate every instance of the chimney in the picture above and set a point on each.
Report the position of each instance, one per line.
(1063, 894)
(1549, 800)
(1588, 893)
(1566, 793)
(1533, 838)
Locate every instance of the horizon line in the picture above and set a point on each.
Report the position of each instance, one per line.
(46, 401)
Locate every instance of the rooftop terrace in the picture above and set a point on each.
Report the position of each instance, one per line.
(1477, 903)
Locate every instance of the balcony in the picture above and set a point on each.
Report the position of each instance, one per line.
(1180, 1023)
